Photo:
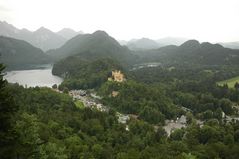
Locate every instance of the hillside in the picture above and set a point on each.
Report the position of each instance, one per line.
(93, 46)
(82, 74)
(192, 52)
(17, 54)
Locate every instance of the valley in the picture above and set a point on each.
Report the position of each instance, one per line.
(100, 99)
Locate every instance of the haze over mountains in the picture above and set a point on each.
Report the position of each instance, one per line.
(42, 38)
(100, 45)
(232, 45)
(142, 44)
(46, 39)
(145, 43)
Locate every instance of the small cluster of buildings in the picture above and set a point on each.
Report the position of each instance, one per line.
(77, 93)
(87, 100)
(122, 118)
(171, 125)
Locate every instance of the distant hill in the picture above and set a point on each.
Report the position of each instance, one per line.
(46, 39)
(193, 52)
(147, 44)
(18, 54)
(232, 45)
(171, 41)
(68, 33)
(143, 44)
(42, 38)
(93, 46)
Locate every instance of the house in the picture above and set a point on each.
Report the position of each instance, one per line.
(122, 118)
(115, 93)
(182, 119)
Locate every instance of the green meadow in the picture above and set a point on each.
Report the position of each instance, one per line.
(79, 104)
(230, 82)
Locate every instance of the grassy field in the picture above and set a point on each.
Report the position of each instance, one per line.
(230, 82)
(79, 104)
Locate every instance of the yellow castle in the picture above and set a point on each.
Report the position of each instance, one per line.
(117, 76)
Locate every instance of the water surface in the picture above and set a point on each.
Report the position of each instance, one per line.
(41, 77)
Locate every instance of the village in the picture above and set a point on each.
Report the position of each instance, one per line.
(91, 100)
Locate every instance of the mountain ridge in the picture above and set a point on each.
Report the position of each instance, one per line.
(42, 37)
(19, 54)
(93, 46)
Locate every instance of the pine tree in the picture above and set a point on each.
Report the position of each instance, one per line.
(7, 111)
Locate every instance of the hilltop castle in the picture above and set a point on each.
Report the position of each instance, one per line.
(117, 76)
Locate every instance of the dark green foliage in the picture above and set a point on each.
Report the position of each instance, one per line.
(150, 103)
(54, 86)
(49, 125)
(151, 115)
(80, 74)
(236, 85)
(94, 46)
(192, 53)
(7, 114)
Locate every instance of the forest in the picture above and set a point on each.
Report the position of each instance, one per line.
(41, 123)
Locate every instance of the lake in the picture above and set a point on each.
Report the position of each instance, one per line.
(41, 77)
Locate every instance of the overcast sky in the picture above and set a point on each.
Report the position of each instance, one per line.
(205, 20)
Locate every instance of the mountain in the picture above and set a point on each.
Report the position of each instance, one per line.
(93, 46)
(42, 38)
(171, 41)
(68, 33)
(232, 45)
(142, 44)
(46, 39)
(18, 54)
(192, 52)
(147, 44)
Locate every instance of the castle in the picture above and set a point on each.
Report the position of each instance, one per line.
(117, 76)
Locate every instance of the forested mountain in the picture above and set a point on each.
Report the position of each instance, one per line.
(42, 38)
(94, 46)
(192, 52)
(17, 54)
